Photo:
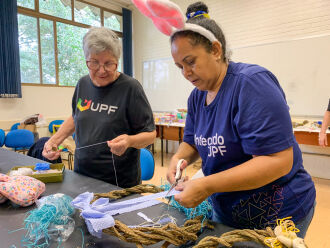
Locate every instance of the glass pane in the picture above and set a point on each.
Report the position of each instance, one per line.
(47, 52)
(113, 21)
(26, 3)
(87, 14)
(120, 62)
(71, 58)
(28, 49)
(58, 8)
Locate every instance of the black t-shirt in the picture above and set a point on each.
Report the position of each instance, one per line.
(103, 113)
(329, 105)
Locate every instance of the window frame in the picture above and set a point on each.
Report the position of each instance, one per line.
(37, 14)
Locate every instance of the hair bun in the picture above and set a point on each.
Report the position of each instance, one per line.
(198, 6)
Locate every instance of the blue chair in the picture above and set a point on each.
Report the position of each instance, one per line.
(20, 140)
(56, 123)
(15, 126)
(52, 127)
(147, 164)
(2, 137)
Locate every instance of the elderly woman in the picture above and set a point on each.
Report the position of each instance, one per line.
(111, 116)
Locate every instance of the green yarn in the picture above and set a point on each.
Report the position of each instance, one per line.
(50, 221)
(204, 209)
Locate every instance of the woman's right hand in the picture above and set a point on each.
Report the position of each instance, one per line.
(172, 169)
(50, 150)
(323, 139)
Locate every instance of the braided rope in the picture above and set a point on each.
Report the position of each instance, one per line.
(138, 189)
(229, 238)
(171, 233)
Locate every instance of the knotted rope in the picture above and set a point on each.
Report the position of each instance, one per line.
(138, 189)
(229, 238)
(171, 233)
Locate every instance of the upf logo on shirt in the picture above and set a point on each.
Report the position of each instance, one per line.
(215, 144)
(95, 107)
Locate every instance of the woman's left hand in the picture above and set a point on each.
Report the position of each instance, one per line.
(193, 193)
(119, 145)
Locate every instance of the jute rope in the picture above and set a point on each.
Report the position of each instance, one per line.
(138, 189)
(171, 233)
(229, 238)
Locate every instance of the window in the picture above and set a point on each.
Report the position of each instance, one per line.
(50, 39)
(113, 21)
(58, 8)
(28, 49)
(87, 14)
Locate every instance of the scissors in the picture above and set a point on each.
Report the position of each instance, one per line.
(177, 176)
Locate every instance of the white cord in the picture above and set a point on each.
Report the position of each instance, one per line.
(114, 167)
(91, 145)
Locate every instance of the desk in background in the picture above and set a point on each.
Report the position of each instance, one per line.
(173, 131)
(307, 136)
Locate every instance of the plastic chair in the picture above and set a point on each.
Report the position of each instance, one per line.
(53, 127)
(2, 137)
(15, 126)
(147, 164)
(20, 140)
(53, 124)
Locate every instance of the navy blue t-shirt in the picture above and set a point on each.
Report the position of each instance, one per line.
(249, 116)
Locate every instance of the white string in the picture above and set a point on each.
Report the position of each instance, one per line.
(114, 167)
(91, 145)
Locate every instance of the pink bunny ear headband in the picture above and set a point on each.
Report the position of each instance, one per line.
(168, 17)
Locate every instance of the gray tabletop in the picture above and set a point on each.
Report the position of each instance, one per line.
(73, 184)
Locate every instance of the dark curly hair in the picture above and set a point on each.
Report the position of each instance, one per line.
(209, 24)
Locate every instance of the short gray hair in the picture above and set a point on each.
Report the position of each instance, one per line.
(99, 39)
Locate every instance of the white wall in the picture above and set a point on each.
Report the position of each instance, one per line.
(51, 102)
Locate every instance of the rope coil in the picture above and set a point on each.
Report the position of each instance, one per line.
(173, 234)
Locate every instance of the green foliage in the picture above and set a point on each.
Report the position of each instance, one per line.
(89, 15)
(28, 44)
(26, 3)
(47, 52)
(112, 21)
(56, 8)
(71, 58)
(71, 61)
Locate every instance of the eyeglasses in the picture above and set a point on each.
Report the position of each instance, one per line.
(95, 65)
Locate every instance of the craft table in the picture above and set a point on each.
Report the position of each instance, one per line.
(308, 136)
(170, 131)
(73, 184)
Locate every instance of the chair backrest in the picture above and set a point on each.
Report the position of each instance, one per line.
(2, 137)
(15, 126)
(37, 148)
(54, 122)
(19, 139)
(147, 164)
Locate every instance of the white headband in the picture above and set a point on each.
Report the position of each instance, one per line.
(198, 29)
(168, 18)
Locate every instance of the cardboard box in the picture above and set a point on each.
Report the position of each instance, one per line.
(47, 177)
(30, 127)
